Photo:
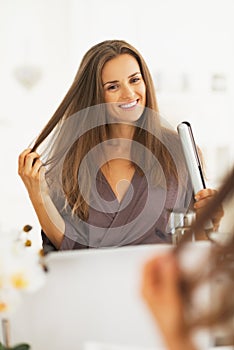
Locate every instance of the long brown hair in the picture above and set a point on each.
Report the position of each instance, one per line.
(87, 91)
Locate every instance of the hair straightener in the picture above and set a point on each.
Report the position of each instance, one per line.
(192, 159)
(191, 156)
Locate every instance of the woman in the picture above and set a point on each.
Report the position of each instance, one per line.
(112, 172)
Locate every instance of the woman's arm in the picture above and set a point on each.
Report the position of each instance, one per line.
(161, 291)
(32, 172)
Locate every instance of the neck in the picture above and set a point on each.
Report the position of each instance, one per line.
(124, 131)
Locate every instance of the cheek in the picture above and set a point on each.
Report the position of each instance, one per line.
(108, 97)
(111, 97)
(142, 92)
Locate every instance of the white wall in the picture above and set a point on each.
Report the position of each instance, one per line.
(32, 33)
(182, 38)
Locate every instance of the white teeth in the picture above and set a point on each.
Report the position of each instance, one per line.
(129, 105)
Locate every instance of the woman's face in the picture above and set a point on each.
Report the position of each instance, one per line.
(124, 88)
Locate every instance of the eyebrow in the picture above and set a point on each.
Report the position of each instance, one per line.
(116, 81)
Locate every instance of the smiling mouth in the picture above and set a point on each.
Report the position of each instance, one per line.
(129, 105)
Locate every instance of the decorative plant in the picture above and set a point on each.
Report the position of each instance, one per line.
(21, 270)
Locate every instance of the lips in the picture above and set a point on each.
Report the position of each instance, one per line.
(129, 105)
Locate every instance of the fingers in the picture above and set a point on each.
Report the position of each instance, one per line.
(21, 159)
(206, 192)
(28, 162)
(203, 197)
(36, 167)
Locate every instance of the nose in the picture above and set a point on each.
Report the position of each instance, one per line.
(127, 91)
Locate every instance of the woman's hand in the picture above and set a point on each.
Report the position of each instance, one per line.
(161, 284)
(202, 199)
(32, 172)
(160, 289)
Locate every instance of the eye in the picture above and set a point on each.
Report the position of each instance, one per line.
(135, 80)
(112, 87)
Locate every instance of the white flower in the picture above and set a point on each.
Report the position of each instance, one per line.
(9, 300)
(20, 271)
